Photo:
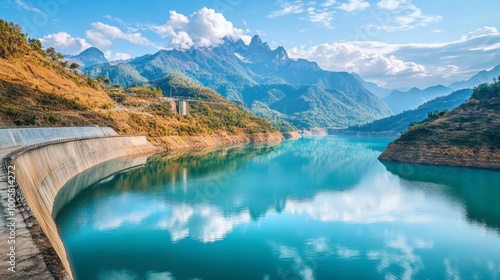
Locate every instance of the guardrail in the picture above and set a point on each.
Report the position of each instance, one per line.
(24, 126)
(7, 160)
(23, 149)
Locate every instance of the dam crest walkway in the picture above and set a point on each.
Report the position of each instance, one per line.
(29, 260)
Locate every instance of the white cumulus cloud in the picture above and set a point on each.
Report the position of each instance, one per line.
(203, 28)
(122, 56)
(404, 15)
(480, 32)
(354, 5)
(425, 64)
(103, 35)
(287, 8)
(328, 3)
(390, 4)
(323, 17)
(320, 13)
(364, 58)
(65, 43)
(24, 6)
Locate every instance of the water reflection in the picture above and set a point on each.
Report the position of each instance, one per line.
(227, 180)
(475, 190)
(317, 208)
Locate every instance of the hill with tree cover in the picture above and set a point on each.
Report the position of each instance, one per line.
(237, 70)
(309, 106)
(399, 123)
(37, 88)
(467, 136)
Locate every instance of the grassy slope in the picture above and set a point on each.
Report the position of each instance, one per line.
(35, 90)
(466, 136)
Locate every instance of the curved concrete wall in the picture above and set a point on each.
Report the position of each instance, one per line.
(43, 171)
(93, 175)
(14, 137)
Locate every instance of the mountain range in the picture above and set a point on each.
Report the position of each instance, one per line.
(378, 91)
(400, 101)
(237, 71)
(480, 78)
(399, 123)
(273, 85)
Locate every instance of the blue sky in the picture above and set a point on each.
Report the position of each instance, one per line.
(395, 43)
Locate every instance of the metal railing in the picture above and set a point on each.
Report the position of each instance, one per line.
(25, 126)
(8, 158)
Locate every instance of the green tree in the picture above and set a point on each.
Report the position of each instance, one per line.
(35, 44)
(13, 42)
(52, 54)
(74, 65)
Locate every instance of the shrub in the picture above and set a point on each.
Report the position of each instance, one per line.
(13, 42)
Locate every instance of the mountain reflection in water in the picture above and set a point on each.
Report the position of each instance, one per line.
(314, 208)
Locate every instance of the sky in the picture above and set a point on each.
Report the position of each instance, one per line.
(394, 43)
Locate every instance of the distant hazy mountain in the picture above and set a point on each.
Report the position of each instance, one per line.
(400, 122)
(88, 58)
(236, 70)
(400, 101)
(480, 78)
(373, 87)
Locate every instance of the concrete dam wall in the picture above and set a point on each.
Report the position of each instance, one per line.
(15, 137)
(43, 171)
(94, 175)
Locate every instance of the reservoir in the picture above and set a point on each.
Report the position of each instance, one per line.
(320, 207)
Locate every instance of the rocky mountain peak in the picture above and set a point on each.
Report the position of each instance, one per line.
(280, 54)
(257, 44)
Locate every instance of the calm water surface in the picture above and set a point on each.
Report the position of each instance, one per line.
(315, 208)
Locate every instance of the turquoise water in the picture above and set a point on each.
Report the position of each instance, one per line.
(315, 208)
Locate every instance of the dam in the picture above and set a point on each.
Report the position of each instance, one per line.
(43, 160)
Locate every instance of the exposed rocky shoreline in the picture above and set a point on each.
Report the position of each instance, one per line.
(190, 142)
(477, 157)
